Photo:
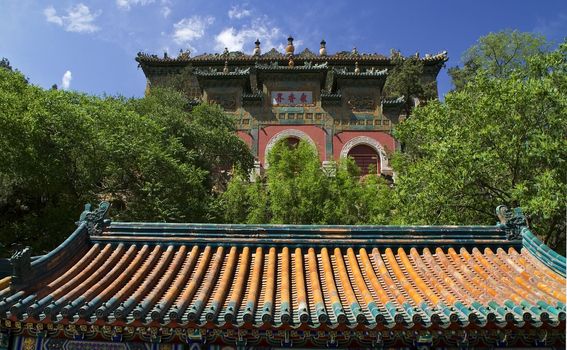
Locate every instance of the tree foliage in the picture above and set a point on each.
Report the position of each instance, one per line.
(498, 55)
(406, 79)
(297, 190)
(498, 140)
(5, 64)
(152, 158)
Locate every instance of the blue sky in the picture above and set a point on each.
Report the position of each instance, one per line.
(90, 46)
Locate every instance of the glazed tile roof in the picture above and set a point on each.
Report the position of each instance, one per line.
(274, 55)
(291, 277)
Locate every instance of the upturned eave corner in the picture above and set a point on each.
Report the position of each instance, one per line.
(516, 225)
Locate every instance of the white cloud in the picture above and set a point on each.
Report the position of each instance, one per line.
(238, 12)
(66, 80)
(243, 38)
(165, 11)
(190, 29)
(51, 16)
(79, 18)
(126, 4)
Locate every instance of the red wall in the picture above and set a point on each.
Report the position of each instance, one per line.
(318, 136)
(246, 137)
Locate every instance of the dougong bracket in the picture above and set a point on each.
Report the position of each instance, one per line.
(512, 221)
(95, 220)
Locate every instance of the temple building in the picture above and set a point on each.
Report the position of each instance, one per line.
(333, 101)
(165, 286)
(124, 285)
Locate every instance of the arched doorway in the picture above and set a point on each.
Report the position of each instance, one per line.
(292, 136)
(292, 141)
(382, 165)
(365, 157)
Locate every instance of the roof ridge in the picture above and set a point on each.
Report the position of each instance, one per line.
(274, 54)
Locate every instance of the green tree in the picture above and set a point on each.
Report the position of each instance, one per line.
(296, 184)
(236, 201)
(152, 158)
(406, 79)
(5, 64)
(296, 190)
(498, 55)
(356, 200)
(498, 140)
(205, 131)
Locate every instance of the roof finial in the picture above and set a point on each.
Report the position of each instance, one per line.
(225, 69)
(225, 51)
(356, 68)
(354, 51)
(257, 50)
(323, 49)
(289, 48)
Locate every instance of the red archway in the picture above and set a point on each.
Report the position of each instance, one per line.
(365, 157)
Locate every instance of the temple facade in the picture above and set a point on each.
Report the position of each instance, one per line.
(121, 285)
(333, 101)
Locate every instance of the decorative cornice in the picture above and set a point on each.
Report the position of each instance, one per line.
(213, 73)
(69, 335)
(369, 73)
(306, 67)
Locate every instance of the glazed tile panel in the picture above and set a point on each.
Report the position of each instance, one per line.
(293, 287)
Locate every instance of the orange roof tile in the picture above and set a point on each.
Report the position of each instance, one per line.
(293, 277)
